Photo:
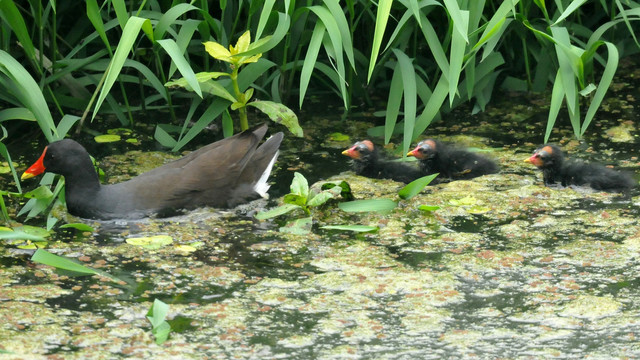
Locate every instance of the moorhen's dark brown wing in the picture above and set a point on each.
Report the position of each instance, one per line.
(220, 174)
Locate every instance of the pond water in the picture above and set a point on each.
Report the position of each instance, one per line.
(506, 268)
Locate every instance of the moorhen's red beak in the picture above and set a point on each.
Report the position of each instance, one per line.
(36, 169)
(352, 153)
(535, 160)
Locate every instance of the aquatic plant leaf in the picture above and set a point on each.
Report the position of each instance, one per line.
(341, 188)
(78, 226)
(106, 138)
(299, 185)
(368, 205)
(157, 316)
(428, 207)
(280, 210)
(295, 199)
(151, 242)
(19, 235)
(298, 227)
(467, 200)
(63, 263)
(280, 114)
(354, 228)
(320, 198)
(413, 188)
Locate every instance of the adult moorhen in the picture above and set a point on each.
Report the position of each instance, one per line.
(367, 162)
(451, 162)
(550, 159)
(222, 174)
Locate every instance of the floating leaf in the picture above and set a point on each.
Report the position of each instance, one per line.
(63, 263)
(78, 226)
(413, 188)
(467, 200)
(478, 209)
(354, 228)
(107, 138)
(185, 248)
(151, 242)
(428, 207)
(368, 205)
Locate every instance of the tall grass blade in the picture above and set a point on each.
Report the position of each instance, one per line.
(170, 46)
(603, 86)
(557, 95)
(458, 45)
(393, 103)
(382, 16)
(310, 59)
(169, 18)
(410, 97)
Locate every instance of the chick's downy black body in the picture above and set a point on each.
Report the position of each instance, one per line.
(451, 162)
(367, 162)
(556, 169)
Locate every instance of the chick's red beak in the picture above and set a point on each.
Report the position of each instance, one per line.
(415, 152)
(36, 169)
(535, 160)
(352, 153)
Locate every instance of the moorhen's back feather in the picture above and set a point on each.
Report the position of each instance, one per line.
(221, 174)
(367, 162)
(451, 162)
(555, 169)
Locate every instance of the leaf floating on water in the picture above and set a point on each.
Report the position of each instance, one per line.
(63, 263)
(413, 188)
(467, 200)
(428, 207)
(151, 242)
(368, 205)
(354, 228)
(106, 138)
(478, 209)
(187, 249)
(78, 226)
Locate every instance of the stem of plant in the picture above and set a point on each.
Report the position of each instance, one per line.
(242, 111)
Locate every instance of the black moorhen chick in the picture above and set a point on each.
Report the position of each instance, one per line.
(550, 159)
(222, 174)
(367, 162)
(451, 162)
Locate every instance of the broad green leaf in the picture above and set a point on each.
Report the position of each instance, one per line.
(157, 316)
(299, 185)
(106, 138)
(78, 226)
(59, 262)
(280, 210)
(280, 114)
(428, 207)
(20, 235)
(294, 199)
(354, 228)
(413, 188)
(368, 205)
(320, 198)
(217, 51)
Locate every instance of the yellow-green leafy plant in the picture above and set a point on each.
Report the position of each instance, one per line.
(243, 53)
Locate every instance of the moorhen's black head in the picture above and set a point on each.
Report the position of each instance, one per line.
(362, 151)
(61, 157)
(425, 149)
(547, 156)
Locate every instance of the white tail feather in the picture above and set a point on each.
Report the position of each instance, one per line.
(261, 187)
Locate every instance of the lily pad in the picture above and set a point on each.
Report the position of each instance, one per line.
(151, 242)
(107, 138)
